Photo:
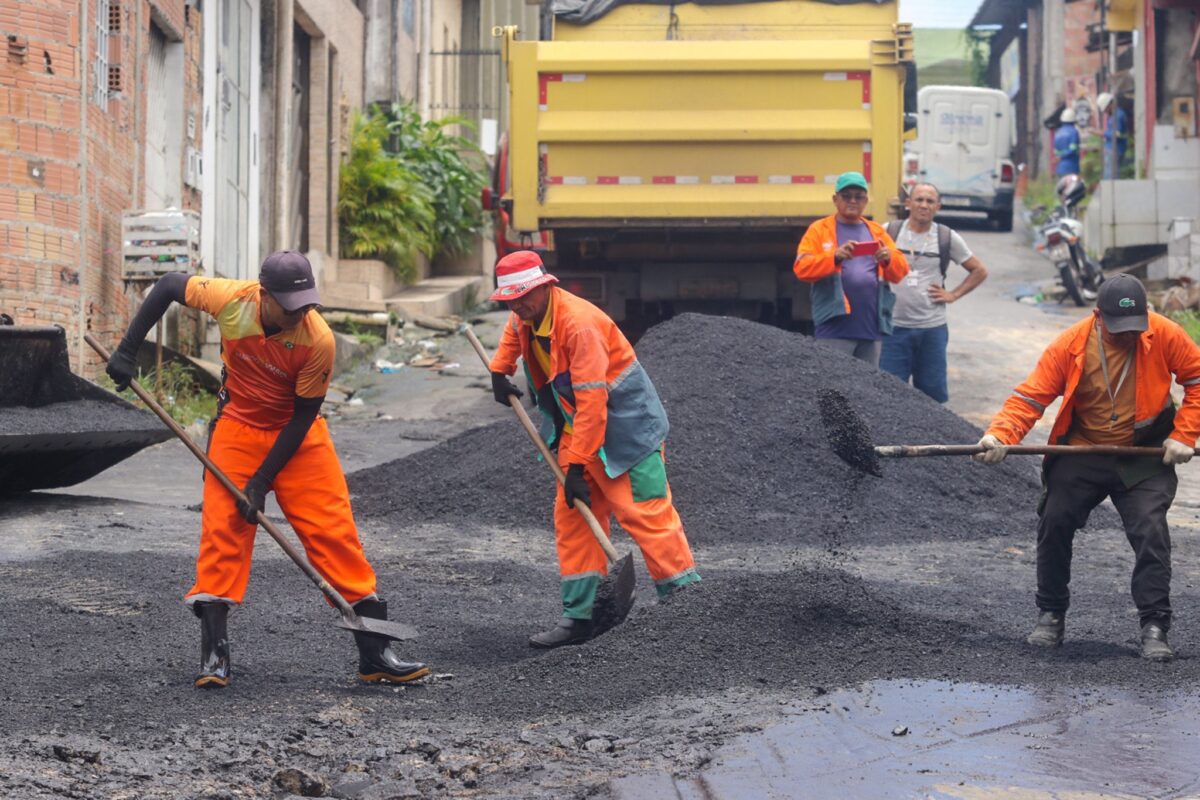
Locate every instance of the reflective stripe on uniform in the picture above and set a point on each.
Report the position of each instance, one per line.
(1031, 401)
(675, 577)
(582, 575)
(625, 373)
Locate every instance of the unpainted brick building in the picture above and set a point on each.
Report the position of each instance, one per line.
(99, 103)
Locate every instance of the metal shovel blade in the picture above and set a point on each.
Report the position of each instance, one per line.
(385, 629)
(847, 432)
(614, 598)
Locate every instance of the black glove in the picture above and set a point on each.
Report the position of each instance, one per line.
(575, 486)
(122, 368)
(256, 493)
(502, 388)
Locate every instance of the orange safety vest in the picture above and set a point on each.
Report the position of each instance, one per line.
(815, 264)
(1163, 350)
(595, 380)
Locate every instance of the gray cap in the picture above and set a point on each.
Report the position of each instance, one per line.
(288, 276)
(1122, 304)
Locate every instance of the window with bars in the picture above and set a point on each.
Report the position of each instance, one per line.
(100, 59)
(107, 77)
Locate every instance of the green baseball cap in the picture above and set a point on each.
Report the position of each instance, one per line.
(850, 179)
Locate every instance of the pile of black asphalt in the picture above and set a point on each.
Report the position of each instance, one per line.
(816, 576)
(822, 567)
(75, 416)
(748, 456)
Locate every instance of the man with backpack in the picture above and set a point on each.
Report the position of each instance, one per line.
(917, 347)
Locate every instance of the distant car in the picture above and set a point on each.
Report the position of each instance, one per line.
(963, 147)
(507, 240)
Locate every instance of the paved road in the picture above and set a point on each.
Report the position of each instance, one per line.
(995, 341)
(953, 740)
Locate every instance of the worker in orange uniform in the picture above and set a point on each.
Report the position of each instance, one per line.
(850, 260)
(602, 413)
(267, 436)
(1113, 371)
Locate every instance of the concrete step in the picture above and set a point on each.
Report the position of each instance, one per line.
(333, 298)
(439, 296)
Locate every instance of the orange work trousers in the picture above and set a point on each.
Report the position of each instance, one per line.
(641, 501)
(311, 489)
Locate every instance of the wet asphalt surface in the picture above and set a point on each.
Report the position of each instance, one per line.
(817, 579)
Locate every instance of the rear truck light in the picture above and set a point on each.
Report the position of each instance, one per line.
(1007, 173)
(487, 199)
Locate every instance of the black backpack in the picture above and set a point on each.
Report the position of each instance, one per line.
(893, 230)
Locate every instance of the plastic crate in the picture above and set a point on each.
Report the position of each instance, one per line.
(157, 242)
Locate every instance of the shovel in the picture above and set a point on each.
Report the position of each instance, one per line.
(393, 631)
(850, 438)
(612, 604)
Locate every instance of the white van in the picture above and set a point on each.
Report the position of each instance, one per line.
(963, 147)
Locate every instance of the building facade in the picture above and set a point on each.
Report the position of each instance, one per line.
(236, 109)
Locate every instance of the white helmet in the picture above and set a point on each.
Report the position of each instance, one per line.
(1103, 101)
(1068, 116)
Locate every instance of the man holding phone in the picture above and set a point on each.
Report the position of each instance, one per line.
(850, 260)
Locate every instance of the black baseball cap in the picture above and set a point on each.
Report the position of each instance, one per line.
(1122, 304)
(288, 276)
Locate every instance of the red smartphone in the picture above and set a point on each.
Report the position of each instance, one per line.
(864, 248)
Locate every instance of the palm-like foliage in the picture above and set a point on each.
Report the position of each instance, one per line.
(385, 210)
(450, 165)
(408, 186)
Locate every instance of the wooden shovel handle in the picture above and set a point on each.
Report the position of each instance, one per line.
(549, 457)
(347, 611)
(913, 450)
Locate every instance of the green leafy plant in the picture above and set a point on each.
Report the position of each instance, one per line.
(183, 397)
(364, 334)
(450, 166)
(978, 47)
(385, 209)
(1091, 159)
(1189, 320)
(1040, 198)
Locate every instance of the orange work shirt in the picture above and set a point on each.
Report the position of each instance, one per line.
(1094, 409)
(263, 374)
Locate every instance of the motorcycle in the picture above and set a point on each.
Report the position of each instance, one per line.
(1063, 233)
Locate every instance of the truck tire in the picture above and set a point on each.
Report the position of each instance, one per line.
(1003, 219)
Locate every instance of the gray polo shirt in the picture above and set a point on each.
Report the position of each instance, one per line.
(914, 308)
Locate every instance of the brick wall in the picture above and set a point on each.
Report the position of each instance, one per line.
(70, 167)
(39, 161)
(1080, 67)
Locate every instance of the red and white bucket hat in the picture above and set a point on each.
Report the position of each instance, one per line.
(519, 272)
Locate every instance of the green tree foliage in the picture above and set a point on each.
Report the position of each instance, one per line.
(385, 210)
(451, 166)
(978, 49)
(408, 187)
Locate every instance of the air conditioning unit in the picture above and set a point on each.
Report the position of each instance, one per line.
(154, 243)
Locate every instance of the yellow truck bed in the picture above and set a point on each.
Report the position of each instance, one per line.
(692, 115)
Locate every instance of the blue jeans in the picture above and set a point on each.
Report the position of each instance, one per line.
(920, 354)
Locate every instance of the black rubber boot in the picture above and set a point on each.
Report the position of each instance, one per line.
(567, 631)
(214, 645)
(1051, 625)
(1154, 643)
(377, 662)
